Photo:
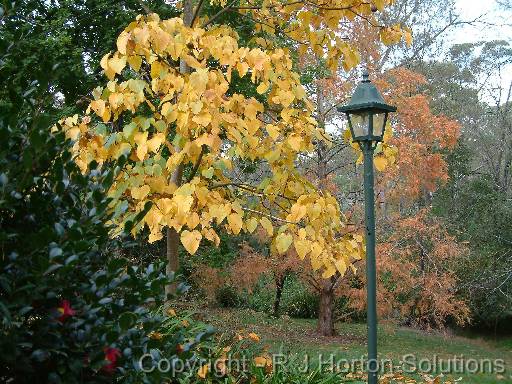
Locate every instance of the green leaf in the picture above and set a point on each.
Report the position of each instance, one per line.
(54, 252)
(52, 268)
(127, 320)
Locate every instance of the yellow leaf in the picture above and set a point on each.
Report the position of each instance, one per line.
(235, 223)
(262, 88)
(193, 220)
(117, 63)
(203, 119)
(211, 235)
(106, 115)
(314, 211)
(135, 62)
(298, 211)
(169, 112)
(156, 69)
(267, 225)
(203, 371)
(196, 107)
(104, 61)
(350, 56)
(251, 224)
(155, 236)
(341, 266)
(122, 40)
(242, 68)
(191, 240)
(302, 247)
(72, 133)
(98, 106)
(219, 211)
(183, 202)
(380, 163)
(316, 250)
(165, 205)
(283, 242)
(198, 80)
(142, 149)
(315, 264)
(155, 142)
(328, 272)
(294, 141)
(140, 192)
(273, 131)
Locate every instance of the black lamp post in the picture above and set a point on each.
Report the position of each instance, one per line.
(367, 114)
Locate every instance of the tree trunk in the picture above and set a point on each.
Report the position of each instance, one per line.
(280, 280)
(173, 237)
(173, 244)
(325, 324)
(173, 261)
(325, 313)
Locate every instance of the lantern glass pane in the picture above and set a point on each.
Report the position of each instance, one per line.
(360, 123)
(379, 120)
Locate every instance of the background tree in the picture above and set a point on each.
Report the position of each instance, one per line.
(474, 203)
(66, 39)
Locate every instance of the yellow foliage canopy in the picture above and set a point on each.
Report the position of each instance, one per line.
(164, 120)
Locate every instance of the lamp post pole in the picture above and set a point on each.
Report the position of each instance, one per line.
(367, 115)
(371, 274)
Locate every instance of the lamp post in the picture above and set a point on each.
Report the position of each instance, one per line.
(367, 114)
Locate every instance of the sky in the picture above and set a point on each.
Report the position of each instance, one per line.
(471, 9)
(493, 27)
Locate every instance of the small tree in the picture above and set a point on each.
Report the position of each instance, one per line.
(417, 281)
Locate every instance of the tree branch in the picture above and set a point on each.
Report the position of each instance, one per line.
(196, 13)
(197, 164)
(223, 10)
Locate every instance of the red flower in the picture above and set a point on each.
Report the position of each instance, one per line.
(65, 310)
(111, 354)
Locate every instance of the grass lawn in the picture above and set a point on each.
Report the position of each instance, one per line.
(297, 338)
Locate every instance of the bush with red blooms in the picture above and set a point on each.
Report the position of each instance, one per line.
(73, 308)
(111, 356)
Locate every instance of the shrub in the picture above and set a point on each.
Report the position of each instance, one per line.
(73, 308)
(263, 294)
(303, 305)
(227, 296)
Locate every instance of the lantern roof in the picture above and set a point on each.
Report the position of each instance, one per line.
(366, 97)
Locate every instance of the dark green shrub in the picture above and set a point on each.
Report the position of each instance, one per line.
(262, 297)
(71, 310)
(228, 297)
(303, 305)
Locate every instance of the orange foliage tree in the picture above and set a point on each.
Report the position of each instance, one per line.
(245, 272)
(416, 281)
(421, 137)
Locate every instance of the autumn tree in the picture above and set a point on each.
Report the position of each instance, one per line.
(421, 137)
(417, 283)
(175, 108)
(418, 257)
(334, 159)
